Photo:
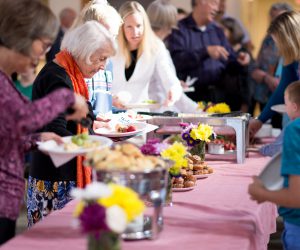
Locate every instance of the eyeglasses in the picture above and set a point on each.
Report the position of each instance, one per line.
(46, 46)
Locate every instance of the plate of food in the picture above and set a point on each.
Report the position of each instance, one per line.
(146, 104)
(184, 189)
(271, 174)
(75, 145)
(122, 130)
(137, 117)
(279, 108)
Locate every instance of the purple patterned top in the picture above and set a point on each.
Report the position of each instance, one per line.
(18, 119)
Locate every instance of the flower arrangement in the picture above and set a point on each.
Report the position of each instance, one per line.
(105, 210)
(210, 107)
(176, 153)
(153, 147)
(196, 136)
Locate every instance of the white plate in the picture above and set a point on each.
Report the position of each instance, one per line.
(271, 176)
(112, 133)
(53, 148)
(280, 108)
(182, 189)
(143, 105)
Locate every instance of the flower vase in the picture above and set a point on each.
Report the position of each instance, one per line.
(105, 241)
(199, 149)
(169, 196)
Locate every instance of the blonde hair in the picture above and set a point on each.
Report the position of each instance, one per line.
(162, 14)
(148, 43)
(84, 40)
(286, 31)
(293, 91)
(102, 12)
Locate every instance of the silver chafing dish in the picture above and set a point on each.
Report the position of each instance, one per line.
(152, 187)
(238, 121)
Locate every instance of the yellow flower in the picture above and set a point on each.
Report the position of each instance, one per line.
(176, 153)
(125, 198)
(201, 105)
(219, 108)
(79, 208)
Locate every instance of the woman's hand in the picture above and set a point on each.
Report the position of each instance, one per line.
(100, 124)
(117, 103)
(256, 190)
(47, 136)
(254, 126)
(80, 108)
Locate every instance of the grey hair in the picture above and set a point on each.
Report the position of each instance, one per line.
(162, 14)
(83, 41)
(23, 21)
(281, 6)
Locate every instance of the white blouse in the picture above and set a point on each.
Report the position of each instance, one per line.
(146, 67)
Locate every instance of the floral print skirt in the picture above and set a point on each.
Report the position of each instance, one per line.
(46, 196)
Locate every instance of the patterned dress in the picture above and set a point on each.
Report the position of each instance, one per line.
(18, 119)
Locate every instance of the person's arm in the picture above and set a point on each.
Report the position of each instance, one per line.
(286, 197)
(184, 57)
(166, 71)
(34, 115)
(289, 75)
(289, 196)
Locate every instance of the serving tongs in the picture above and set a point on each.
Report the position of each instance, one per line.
(229, 114)
(165, 113)
(84, 122)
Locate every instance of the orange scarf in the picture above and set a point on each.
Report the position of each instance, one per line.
(66, 61)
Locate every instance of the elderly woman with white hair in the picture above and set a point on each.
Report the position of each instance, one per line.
(99, 86)
(84, 52)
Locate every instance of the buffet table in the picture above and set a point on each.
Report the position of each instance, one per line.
(217, 214)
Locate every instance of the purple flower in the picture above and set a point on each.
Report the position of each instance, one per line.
(93, 219)
(148, 149)
(153, 141)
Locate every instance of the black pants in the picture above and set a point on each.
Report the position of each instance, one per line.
(7, 229)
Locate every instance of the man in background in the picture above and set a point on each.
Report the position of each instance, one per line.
(66, 18)
(200, 49)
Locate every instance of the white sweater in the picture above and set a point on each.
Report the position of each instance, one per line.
(146, 67)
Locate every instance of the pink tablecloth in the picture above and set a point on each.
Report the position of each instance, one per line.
(217, 214)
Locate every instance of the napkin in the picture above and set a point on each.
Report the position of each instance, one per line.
(57, 159)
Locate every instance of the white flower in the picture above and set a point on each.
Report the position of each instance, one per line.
(116, 219)
(92, 191)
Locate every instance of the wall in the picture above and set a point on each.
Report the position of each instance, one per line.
(57, 5)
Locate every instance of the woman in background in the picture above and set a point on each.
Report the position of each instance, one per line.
(141, 55)
(285, 30)
(163, 17)
(27, 30)
(84, 52)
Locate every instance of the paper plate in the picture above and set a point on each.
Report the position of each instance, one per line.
(271, 176)
(52, 147)
(280, 108)
(112, 133)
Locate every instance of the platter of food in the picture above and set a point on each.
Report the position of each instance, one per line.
(75, 145)
(122, 130)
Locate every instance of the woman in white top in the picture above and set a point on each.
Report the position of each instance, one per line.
(163, 17)
(141, 55)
